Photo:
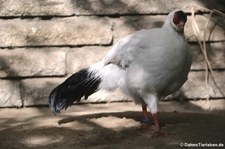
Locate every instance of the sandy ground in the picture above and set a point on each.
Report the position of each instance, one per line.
(109, 126)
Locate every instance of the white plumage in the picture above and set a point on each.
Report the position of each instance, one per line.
(146, 65)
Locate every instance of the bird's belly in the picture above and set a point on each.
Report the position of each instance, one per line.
(172, 87)
(168, 80)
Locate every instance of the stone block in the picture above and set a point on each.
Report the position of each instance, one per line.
(101, 7)
(215, 52)
(36, 91)
(32, 62)
(128, 24)
(79, 58)
(195, 87)
(214, 31)
(10, 94)
(55, 32)
(35, 8)
(107, 96)
(88, 7)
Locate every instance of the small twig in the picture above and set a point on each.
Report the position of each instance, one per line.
(206, 55)
(219, 12)
(202, 45)
(196, 31)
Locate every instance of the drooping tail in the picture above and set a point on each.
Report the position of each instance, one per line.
(81, 84)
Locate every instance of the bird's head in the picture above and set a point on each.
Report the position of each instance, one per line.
(177, 20)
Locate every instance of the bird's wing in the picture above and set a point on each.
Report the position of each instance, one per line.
(123, 53)
(113, 69)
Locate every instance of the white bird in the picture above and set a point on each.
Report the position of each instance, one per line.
(146, 65)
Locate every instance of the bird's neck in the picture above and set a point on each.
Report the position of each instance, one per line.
(169, 30)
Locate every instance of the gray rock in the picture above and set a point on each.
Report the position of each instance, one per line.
(79, 58)
(32, 62)
(102, 7)
(107, 96)
(35, 7)
(195, 87)
(86, 7)
(67, 31)
(128, 24)
(215, 52)
(214, 31)
(36, 91)
(10, 94)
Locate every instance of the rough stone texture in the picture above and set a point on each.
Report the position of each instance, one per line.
(128, 24)
(101, 7)
(87, 31)
(10, 94)
(66, 31)
(216, 55)
(36, 91)
(79, 58)
(209, 105)
(107, 96)
(88, 7)
(213, 32)
(217, 89)
(35, 7)
(32, 62)
(195, 87)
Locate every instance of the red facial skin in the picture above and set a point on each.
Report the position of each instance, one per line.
(179, 22)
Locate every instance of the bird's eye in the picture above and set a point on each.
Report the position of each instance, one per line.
(176, 19)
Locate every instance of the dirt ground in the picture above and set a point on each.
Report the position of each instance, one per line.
(108, 126)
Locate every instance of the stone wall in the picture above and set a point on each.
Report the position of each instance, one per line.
(42, 42)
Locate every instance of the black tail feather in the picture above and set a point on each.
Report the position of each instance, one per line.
(82, 83)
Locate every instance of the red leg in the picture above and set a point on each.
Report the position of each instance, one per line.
(158, 132)
(145, 113)
(146, 117)
(156, 122)
(155, 132)
(145, 123)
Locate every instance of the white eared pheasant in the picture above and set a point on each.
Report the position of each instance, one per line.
(146, 65)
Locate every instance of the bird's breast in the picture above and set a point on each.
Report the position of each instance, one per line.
(162, 68)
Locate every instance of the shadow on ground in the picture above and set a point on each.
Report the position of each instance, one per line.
(84, 126)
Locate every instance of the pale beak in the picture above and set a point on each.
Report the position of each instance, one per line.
(181, 26)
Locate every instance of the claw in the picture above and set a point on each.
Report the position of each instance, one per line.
(146, 126)
(160, 133)
(154, 131)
